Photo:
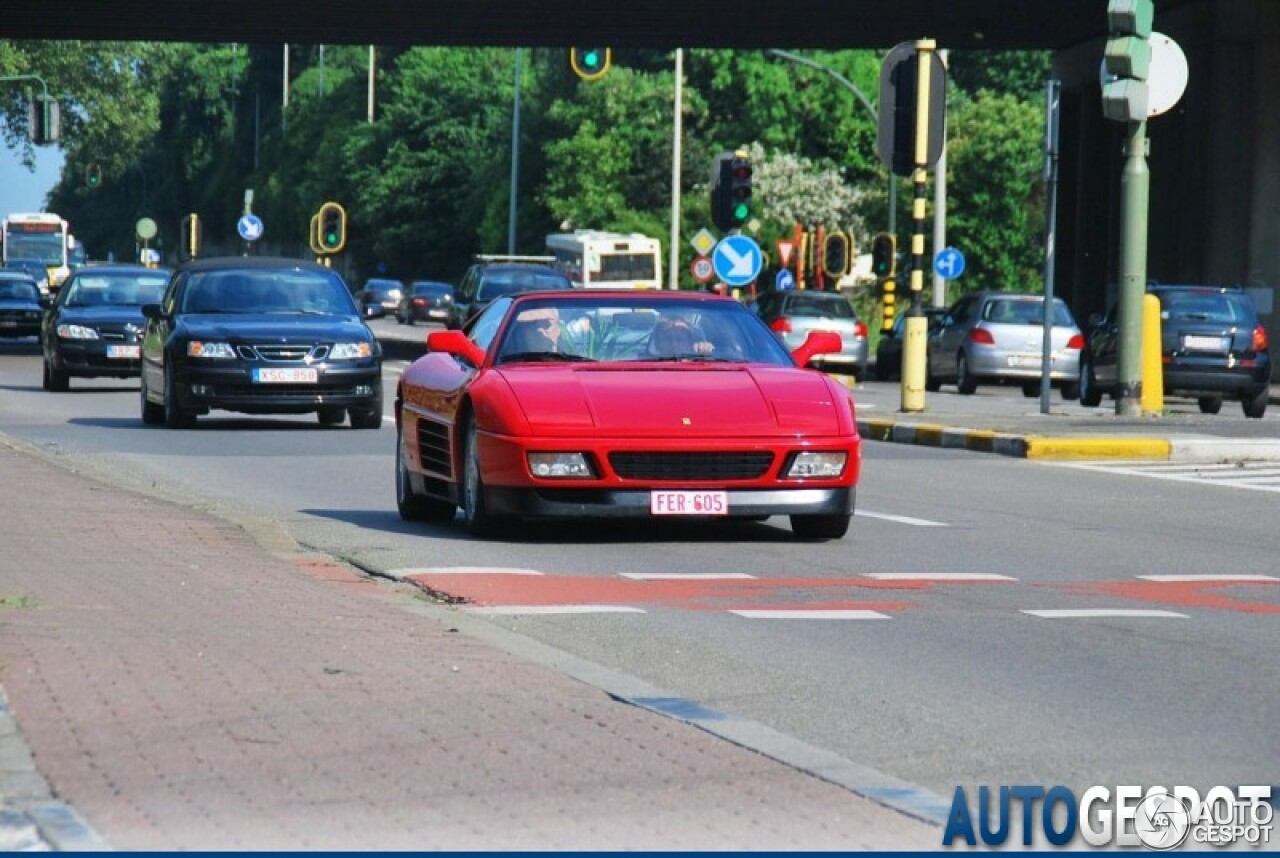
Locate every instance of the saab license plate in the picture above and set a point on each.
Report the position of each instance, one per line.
(125, 352)
(265, 375)
(1204, 344)
(688, 503)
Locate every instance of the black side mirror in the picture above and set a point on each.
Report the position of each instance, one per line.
(152, 311)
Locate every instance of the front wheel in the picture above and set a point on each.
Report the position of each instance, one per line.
(1090, 396)
(414, 506)
(175, 417)
(57, 380)
(1209, 404)
(965, 383)
(820, 526)
(474, 512)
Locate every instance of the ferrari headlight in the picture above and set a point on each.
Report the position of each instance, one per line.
(817, 465)
(77, 332)
(571, 466)
(350, 351)
(198, 349)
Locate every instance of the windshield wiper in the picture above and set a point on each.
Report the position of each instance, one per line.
(544, 357)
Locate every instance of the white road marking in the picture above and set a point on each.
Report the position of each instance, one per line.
(1255, 476)
(938, 576)
(516, 610)
(1084, 613)
(686, 576)
(900, 519)
(1179, 579)
(799, 614)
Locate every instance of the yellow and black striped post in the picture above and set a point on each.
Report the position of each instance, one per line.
(916, 327)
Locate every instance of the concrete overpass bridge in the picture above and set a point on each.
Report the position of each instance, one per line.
(1214, 158)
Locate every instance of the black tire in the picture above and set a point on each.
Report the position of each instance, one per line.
(1090, 396)
(965, 383)
(1209, 404)
(414, 506)
(1070, 390)
(365, 418)
(57, 380)
(152, 414)
(331, 416)
(1030, 389)
(820, 526)
(931, 382)
(478, 520)
(1255, 405)
(175, 417)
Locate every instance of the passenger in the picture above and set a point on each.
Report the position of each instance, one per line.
(674, 336)
(534, 331)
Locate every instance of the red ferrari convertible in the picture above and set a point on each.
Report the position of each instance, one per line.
(608, 404)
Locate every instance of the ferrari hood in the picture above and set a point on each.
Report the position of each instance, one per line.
(695, 402)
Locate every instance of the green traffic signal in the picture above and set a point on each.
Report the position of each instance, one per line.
(590, 63)
(333, 227)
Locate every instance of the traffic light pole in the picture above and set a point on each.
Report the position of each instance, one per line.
(916, 328)
(1134, 185)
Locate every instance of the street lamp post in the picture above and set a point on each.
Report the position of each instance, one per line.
(865, 102)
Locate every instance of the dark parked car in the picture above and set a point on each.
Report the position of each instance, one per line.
(793, 313)
(259, 335)
(494, 276)
(379, 297)
(889, 349)
(1212, 344)
(425, 301)
(94, 327)
(20, 305)
(35, 268)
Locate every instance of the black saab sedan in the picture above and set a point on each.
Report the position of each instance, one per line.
(259, 335)
(94, 328)
(20, 305)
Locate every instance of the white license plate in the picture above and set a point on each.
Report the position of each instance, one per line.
(1023, 361)
(439, 314)
(688, 503)
(285, 376)
(126, 352)
(1204, 344)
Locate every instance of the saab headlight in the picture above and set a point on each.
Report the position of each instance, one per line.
(77, 332)
(198, 349)
(817, 465)
(568, 466)
(350, 351)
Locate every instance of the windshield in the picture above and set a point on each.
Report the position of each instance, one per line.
(432, 289)
(118, 289)
(822, 306)
(17, 290)
(626, 329)
(45, 246)
(267, 291)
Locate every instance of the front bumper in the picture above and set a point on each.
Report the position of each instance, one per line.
(230, 387)
(89, 358)
(606, 503)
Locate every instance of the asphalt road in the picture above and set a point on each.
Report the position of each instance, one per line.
(942, 683)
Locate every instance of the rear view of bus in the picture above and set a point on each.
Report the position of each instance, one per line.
(607, 260)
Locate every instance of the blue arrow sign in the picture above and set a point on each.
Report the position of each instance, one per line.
(737, 260)
(250, 227)
(785, 280)
(949, 263)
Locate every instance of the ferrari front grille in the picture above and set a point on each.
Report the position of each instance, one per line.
(691, 466)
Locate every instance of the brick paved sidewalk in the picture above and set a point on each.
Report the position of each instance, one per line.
(181, 688)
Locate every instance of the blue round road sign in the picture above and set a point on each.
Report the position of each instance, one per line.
(250, 227)
(949, 263)
(737, 260)
(785, 280)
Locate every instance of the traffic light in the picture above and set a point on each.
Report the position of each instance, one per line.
(44, 120)
(333, 227)
(884, 255)
(1127, 60)
(590, 63)
(731, 191)
(93, 175)
(835, 254)
(896, 116)
(190, 236)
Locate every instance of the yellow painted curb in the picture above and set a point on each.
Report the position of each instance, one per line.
(1114, 447)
